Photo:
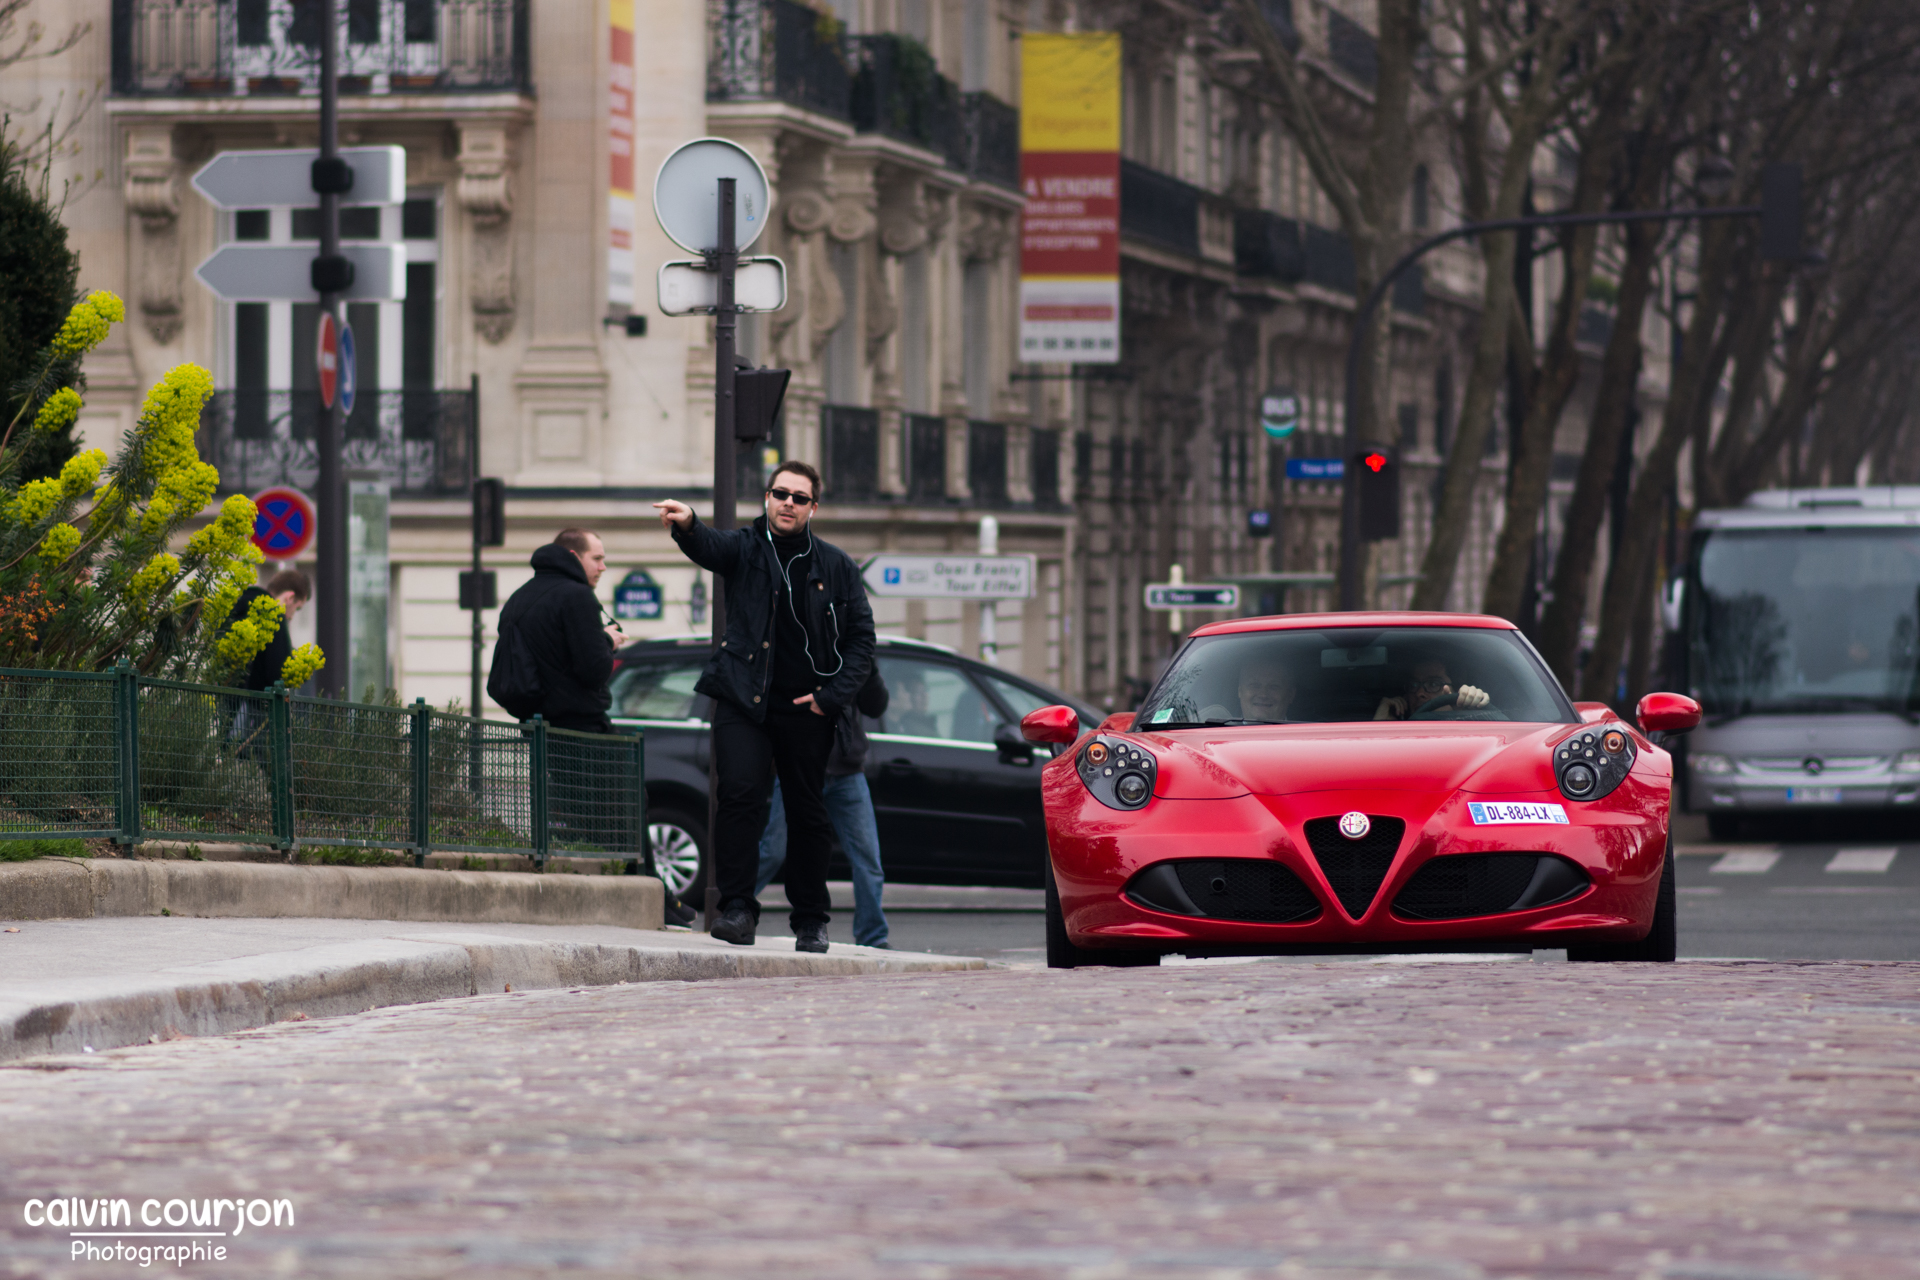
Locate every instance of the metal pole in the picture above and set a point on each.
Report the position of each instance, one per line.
(330, 539)
(989, 615)
(1350, 491)
(724, 259)
(473, 475)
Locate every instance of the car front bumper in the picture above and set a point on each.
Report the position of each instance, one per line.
(1619, 843)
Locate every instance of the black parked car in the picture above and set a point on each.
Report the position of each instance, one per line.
(956, 790)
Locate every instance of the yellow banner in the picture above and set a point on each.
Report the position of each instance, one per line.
(1070, 91)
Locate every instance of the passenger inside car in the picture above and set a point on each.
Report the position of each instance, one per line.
(1430, 695)
(913, 716)
(1265, 689)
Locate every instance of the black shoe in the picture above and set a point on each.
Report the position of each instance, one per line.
(810, 938)
(735, 925)
(877, 946)
(678, 912)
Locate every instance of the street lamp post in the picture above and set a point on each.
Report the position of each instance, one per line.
(1780, 190)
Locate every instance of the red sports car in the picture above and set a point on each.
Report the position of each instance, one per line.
(1359, 782)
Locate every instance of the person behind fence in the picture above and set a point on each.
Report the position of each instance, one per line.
(796, 653)
(292, 588)
(554, 659)
(850, 808)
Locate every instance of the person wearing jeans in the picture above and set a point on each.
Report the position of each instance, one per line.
(850, 807)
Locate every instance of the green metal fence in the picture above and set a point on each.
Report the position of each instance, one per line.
(117, 755)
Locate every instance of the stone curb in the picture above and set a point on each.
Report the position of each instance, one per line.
(82, 888)
(224, 996)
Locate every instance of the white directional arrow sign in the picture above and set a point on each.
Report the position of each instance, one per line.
(909, 577)
(284, 179)
(252, 272)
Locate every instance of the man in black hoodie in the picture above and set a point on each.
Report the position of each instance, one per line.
(557, 615)
(797, 650)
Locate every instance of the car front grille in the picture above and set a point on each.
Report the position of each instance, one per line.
(1355, 868)
(1487, 884)
(1256, 890)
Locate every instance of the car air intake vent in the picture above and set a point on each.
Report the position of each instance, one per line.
(1251, 889)
(1487, 884)
(1355, 868)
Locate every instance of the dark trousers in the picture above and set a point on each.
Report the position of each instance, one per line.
(747, 756)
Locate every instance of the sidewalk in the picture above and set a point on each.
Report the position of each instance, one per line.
(78, 986)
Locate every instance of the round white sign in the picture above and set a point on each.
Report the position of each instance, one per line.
(686, 194)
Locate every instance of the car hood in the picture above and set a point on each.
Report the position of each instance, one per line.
(1281, 760)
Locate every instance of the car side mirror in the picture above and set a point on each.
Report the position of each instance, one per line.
(1050, 724)
(1013, 748)
(1667, 713)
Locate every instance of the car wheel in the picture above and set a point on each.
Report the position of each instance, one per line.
(1723, 826)
(1063, 954)
(679, 853)
(1662, 943)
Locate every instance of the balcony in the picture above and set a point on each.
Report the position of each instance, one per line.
(1159, 208)
(254, 47)
(1353, 47)
(992, 140)
(417, 440)
(898, 93)
(778, 51)
(926, 457)
(1329, 264)
(850, 440)
(987, 463)
(1268, 246)
(1043, 466)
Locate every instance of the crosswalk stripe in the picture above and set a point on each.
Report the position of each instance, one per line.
(1872, 861)
(1746, 862)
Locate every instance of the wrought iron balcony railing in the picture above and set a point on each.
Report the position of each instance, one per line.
(1159, 207)
(246, 47)
(992, 139)
(1043, 466)
(418, 440)
(987, 463)
(898, 92)
(781, 51)
(926, 452)
(851, 440)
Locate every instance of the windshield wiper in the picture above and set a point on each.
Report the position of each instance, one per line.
(1209, 724)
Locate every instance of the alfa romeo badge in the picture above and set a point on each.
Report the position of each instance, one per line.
(1355, 825)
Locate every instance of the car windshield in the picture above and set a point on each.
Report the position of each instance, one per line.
(656, 689)
(1354, 673)
(1806, 620)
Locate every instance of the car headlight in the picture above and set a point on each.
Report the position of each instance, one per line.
(1119, 774)
(1713, 762)
(1907, 762)
(1594, 761)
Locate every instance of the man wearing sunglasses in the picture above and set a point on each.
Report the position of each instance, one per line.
(797, 651)
(1429, 683)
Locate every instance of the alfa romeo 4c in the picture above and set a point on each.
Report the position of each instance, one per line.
(1320, 783)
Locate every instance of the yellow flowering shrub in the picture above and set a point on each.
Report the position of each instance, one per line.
(61, 409)
(61, 541)
(86, 325)
(246, 638)
(302, 665)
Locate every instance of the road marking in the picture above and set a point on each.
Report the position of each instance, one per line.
(1746, 862)
(1873, 861)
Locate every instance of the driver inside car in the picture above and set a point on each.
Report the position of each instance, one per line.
(1266, 691)
(1429, 680)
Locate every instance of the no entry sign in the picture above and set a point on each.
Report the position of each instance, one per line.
(283, 529)
(326, 358)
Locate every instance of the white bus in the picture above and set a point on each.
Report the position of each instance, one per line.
(1801, 613)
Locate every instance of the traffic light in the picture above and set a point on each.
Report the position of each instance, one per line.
(757, 394)
(1376, 469)
(490, 512)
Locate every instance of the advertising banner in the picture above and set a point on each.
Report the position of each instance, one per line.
(620, 156)
(1070, 173)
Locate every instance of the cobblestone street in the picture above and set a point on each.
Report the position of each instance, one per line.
(1699, 1122)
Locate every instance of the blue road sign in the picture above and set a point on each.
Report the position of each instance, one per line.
(1315, 468)
(349, 373)
(637, 596)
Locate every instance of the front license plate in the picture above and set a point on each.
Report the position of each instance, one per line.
(1498, 813)
(1813, 795)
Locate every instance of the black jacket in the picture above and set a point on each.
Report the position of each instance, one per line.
(267, 664)
(849, 754)
(559, 617)
(833, 609)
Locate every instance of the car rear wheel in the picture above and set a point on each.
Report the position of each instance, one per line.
(1662, 941)
(1063, 954)
(679, 853)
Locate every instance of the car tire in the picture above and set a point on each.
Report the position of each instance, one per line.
(680, 853)
(1723, 826)
(1662, 943)
(1063, 954)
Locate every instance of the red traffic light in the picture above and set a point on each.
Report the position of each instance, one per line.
(1376, 462)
